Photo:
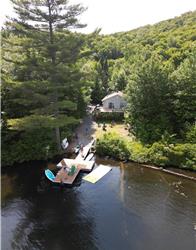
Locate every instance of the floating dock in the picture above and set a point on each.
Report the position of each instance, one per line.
(97, 174)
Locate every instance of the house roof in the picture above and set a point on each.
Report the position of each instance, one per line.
(119, 93)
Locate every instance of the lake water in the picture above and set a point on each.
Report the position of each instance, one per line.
(131, 208)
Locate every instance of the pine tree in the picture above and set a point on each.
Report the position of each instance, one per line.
(45, 74)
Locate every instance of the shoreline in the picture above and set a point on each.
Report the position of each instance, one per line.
(157, 168)
(171, 172)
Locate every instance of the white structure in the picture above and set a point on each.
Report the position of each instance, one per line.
(113, 102)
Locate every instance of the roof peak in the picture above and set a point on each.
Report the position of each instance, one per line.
(119, 93)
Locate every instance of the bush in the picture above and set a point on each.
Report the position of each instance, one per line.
(191, 134)
(158, 154)
(111, 145)
(162, 153)
(34, 145)
(183, 156)
(179, 155)
(137, 152)
(108, 116)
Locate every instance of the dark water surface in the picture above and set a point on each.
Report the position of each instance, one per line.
(132, 207)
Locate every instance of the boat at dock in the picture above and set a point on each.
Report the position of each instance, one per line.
(70, 168)
(49, 175)
(77, 149)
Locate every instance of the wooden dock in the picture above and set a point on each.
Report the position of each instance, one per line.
(83, 165)
(83, 154)
(63, 177)
(79, 162)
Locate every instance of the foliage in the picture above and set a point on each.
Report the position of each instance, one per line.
(154, 66)
(108, 116)
(46, 76)
(42, 84)
(50, 74)
(110, 144)
(149, 104)
(179, 155)
(35, 144)
(183, 83)
(161, 153)
(137, 152)
(191, 134)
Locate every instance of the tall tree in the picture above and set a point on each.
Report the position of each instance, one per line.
(42, 30)
(105, 50)
(183, 82)
(149, 103)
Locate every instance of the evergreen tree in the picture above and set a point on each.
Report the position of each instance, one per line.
(46, 74)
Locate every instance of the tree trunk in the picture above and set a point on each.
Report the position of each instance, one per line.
(58, 139)
(53, 59)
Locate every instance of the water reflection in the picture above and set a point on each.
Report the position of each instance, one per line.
(130, 208)
(51, 219)
(166, 204)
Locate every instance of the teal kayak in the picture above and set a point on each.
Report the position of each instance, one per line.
(49, 175)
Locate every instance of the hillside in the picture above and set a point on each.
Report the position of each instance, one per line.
(47, 82)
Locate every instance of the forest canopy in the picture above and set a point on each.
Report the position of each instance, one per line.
(50, 74)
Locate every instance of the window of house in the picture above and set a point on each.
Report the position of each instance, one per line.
(111, 105)
(122, 105)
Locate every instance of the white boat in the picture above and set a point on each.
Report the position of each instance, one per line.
(77, 149)
(65, 143)
(89, 157)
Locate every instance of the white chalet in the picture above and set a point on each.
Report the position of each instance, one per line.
(113, 103)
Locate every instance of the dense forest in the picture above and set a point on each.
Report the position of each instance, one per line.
(50, 74)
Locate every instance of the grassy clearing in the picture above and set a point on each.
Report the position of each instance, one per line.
(119, 129)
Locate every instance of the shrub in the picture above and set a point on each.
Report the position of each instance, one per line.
(158, 154)
(191, 134)
(183, 156)
(109, 116)
(111, 145)
(179, 155)
(138, 152)
(162, 153)
(34, 145)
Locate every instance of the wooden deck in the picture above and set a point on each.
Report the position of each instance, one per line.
(63, 177)
(83, 164)
(80, 163)
(83, 154)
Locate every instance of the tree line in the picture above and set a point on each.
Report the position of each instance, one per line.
(50, 73)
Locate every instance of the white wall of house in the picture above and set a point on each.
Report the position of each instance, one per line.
(114, 102)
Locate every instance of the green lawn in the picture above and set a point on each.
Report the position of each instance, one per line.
(119, 129)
